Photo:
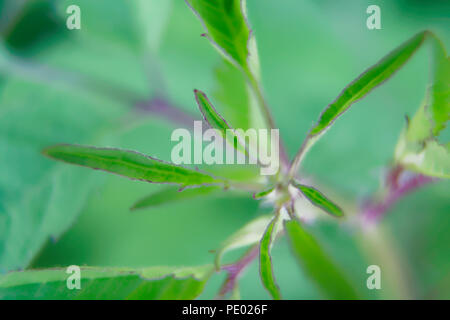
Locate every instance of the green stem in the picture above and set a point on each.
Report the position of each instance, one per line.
(381, 251)
(265, 110)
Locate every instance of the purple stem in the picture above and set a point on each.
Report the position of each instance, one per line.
(235, 270)
(165, 110)
(399, 183)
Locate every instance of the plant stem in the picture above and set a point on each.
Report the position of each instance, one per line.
(235, 270)
(164, 109)
(397, 187)
(380, 250)
(297, 159)
(375, 240)
(264, 107)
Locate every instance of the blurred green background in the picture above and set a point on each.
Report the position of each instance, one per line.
(83, 86)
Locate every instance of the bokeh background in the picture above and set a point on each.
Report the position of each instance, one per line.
(85, 86)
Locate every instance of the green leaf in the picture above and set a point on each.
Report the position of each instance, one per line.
(170, 195)
(41, 199)
(216, 121)
(440, 88)
(129, 164)
(226, 25)
(317, 265)
(430, 158)
(265, 263)
(368, 80)
(418, 148)
(210, 114)
(249, 234)
(318, 199)
(263, 194)
(154, 283)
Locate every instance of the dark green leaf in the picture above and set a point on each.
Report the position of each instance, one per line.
(129, 164)
(318, 199)
(317, 265)
(440, 88)
(210, 114)
(154, 283)
(216, 121)
(170, 195)
(265, 263)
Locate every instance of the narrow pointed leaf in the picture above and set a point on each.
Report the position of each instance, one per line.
(440, 88)
(215, 121)
(171, 195)
(211, 116)
(263, 194)
(318, 199)
(129, 164)
(317, 265)
(265, 263)
(368, 80)
(226, 27)
(249, 234)
(154, 283)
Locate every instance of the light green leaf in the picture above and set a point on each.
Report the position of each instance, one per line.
(170, 195)
(154, 283)
(226, 26)
(368, 80)
(249, 234)
(129, 164)
(318, 199)
(430, 158)
(265, 262)
(317, 265)
(418, 148)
